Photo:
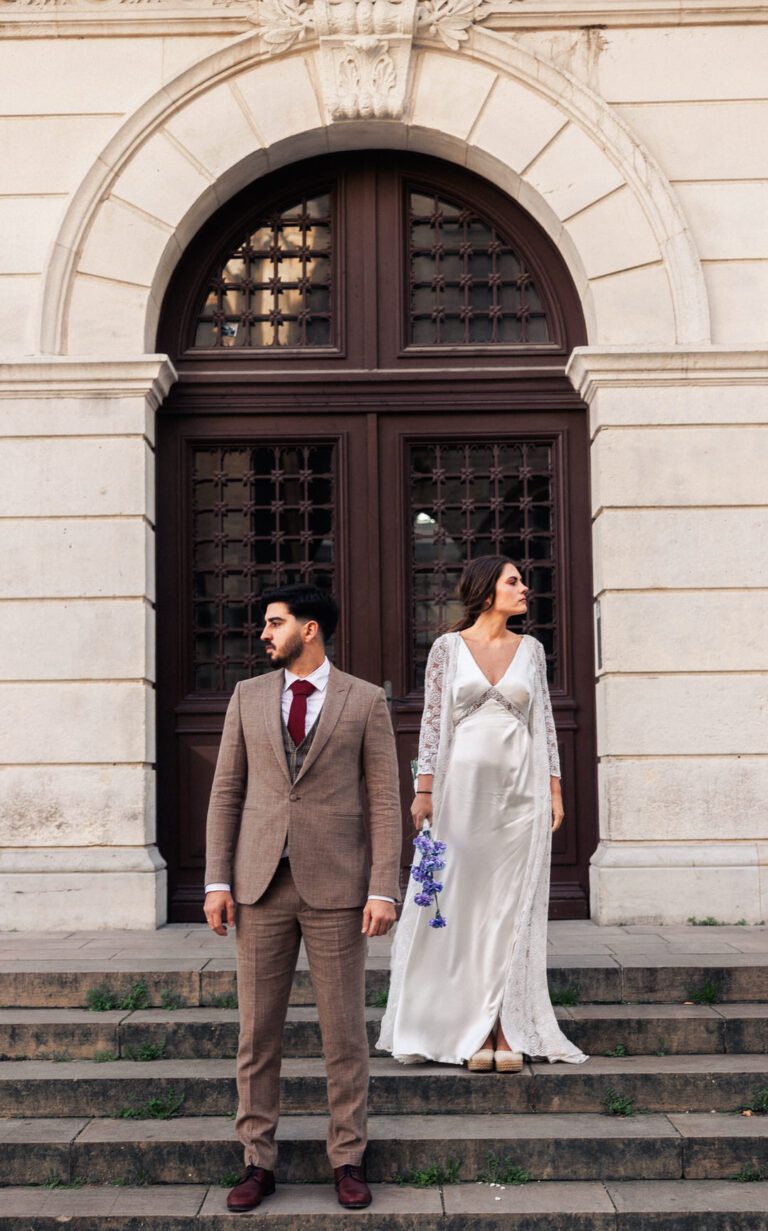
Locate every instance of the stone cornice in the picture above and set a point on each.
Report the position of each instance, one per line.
(590, 369)
(150, 376)
(559, 14)
(101, 18)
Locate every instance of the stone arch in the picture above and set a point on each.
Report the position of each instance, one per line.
(533, 130)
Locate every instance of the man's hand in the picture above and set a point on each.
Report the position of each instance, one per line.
(378, 917)
(219, 910)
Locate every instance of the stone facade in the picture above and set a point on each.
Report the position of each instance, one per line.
(636, 133)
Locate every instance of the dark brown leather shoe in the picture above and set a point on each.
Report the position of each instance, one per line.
(255, 1184)
(354, 1193)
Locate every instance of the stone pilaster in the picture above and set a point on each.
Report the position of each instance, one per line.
(77, 658)
(680, 523)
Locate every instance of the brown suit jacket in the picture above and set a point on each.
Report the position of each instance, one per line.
(336, 859)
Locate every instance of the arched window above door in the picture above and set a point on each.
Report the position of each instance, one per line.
(274, 289)
(468, 284)
(382, 261)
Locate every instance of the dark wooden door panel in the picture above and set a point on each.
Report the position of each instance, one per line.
(464, 485)
(244, 505)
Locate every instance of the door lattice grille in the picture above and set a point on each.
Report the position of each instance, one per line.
(480, 499)
(274, 290)
(467, 285)
(262, 516)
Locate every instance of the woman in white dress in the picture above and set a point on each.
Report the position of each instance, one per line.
(489, 782)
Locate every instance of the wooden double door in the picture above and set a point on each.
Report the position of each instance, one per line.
(383, 505)
(371, 350)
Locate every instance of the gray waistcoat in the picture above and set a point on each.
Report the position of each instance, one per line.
(297, 756)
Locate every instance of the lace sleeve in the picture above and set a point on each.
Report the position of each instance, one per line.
(549, 721)
(429, 737)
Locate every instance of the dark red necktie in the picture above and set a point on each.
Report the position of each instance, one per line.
(297, 719)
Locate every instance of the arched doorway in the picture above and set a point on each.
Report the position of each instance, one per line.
(371, 351)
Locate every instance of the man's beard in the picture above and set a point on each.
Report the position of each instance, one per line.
(290, 653)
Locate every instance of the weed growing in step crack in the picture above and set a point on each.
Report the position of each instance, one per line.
(102, 998)
(137, 998)
(433, 1175)
(565, 995)
(381, 998)
(707, 992)
(53, 1181)
(162, 1107)
(759, 1104)
(105, 1057)
(171, 1000)
(619, 1050)
(229, 1179)
(501, 1170)
(617, 1104)
(227, 1000)
(145, 1051)
(750, 1175)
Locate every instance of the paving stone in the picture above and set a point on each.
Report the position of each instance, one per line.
(532, 1207)
(700, 948)
(65, 1034)
(404, 1208)
(61, 1205)
(43, 1088)
(47, 985)
(680, 1205)
(205, 1032)
(595, 978)
(717, 1147)
(665, 1083)
(746, 1027)
(626, 1206)
(48, 1161)
(200, 1033)
(637, 975)
(203, 1149)
(219, 979)
(646, 1029)
(743, 977)
(212, 1033)
(654, 1083)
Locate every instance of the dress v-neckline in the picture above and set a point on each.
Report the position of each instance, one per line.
(503, 676)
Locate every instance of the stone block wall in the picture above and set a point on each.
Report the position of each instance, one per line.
(642, 147)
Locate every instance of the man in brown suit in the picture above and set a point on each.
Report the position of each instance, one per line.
(290, 857)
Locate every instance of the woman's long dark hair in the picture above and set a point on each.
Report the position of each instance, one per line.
(477, 588)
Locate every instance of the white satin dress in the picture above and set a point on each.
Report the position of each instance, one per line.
(454, 978)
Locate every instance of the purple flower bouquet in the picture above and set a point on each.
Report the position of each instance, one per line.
(423, 873)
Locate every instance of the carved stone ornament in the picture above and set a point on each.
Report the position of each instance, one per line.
(365, 45)
(365, 54)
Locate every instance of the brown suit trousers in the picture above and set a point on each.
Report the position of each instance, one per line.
(335, 861)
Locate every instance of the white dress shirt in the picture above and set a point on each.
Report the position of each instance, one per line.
(315, 700)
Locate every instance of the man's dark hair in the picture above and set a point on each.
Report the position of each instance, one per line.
(307, 603)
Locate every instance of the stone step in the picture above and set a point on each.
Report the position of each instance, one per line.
(203, 1150)
(43, 1088)
(672, 1205)
(731, 978)
(209, 1033)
